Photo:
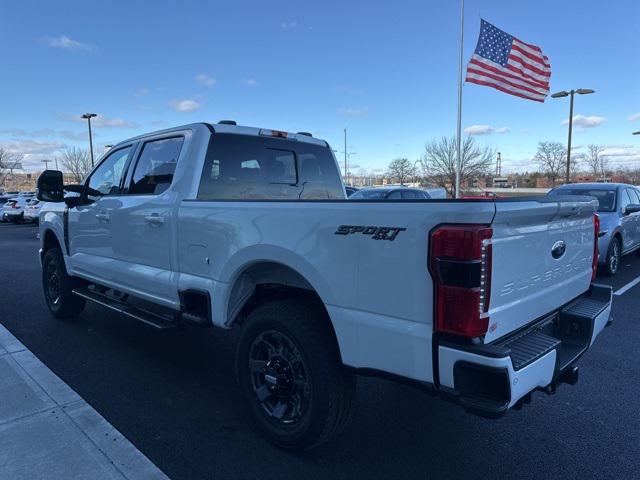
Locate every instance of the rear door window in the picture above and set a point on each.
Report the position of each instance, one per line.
(155, 167)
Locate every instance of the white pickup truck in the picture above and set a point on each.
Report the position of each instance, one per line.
(480, 301)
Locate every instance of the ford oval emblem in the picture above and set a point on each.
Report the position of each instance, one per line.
(558, 249)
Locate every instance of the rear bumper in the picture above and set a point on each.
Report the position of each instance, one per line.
(489, 379)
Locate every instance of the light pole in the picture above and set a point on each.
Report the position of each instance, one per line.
(89, 116)
(580, 91)
(46, 164)
(347, 164)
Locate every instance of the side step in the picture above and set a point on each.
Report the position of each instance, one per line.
(146, 317)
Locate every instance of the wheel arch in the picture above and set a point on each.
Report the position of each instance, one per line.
(270, 277)
(48, 240)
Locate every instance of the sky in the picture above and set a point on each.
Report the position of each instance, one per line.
(385, 71)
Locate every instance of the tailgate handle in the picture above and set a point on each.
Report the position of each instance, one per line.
(103, 217)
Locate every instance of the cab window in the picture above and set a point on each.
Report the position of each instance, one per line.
(105, 180)
(246, 167)
(156, 165)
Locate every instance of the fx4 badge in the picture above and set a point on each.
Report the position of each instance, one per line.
(377, 233)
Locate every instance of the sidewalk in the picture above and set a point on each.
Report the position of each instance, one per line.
(47, 431)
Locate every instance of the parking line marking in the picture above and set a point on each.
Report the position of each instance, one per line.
(629, 285)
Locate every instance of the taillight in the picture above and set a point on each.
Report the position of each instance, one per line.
(460, 264)
(596, 234)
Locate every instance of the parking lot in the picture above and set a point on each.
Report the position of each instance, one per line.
(173, 395)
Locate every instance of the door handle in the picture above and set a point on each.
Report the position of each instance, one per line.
(103, 217)
(154, 219)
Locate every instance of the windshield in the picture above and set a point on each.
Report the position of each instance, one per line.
(373, 194)
(606, 198)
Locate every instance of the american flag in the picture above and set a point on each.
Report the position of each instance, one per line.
(507, 64)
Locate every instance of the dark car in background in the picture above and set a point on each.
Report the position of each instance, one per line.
(390, 193)
(619, 212)
(350, 190)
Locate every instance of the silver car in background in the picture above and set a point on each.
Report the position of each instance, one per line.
(13, 209)
(32, 211)
(619, 212)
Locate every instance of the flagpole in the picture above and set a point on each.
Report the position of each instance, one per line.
(459, 131)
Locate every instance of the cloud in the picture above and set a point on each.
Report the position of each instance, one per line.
(485, 130)
(634, 117)
(289, 25)
(205, 80)
(251, 82)
(43, 133)
(353, 112)
(105, 122)
(34, 151)
(186, 105)
(586, 121)
(143, 92)
(66, 43)
(100, 121)
(620, 151)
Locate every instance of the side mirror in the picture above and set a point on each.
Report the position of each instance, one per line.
(74, 200)
(632, 208)
(50, 186)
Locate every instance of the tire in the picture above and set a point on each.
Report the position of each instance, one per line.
(58, 287)
(291, 376)
(614, 254)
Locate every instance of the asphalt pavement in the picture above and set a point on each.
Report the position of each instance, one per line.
(173, 395)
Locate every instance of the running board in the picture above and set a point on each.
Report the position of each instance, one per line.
(148, 318)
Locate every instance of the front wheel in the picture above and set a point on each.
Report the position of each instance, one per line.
(289, 369)
(58, 286)
(613, 257)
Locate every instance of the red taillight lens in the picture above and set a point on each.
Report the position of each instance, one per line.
(596, 234)
(460, 264)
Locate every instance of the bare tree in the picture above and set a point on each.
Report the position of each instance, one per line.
(598, 163)
(77, 162)
(401, 169)
(552, 158)
(8, 161)
(438, 164)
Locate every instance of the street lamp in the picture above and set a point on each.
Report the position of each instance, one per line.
(89, 116)
(580, 91)
(636, 133)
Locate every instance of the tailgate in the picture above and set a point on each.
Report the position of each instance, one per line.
(542, 259)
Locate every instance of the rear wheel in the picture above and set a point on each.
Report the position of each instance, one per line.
(613, 257)
(58, 286)
(294, 384)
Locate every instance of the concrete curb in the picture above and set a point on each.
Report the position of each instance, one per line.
(48, 431)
